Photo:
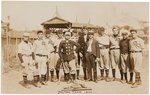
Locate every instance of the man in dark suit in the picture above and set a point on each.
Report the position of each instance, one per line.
(83, 48)
(92, 55)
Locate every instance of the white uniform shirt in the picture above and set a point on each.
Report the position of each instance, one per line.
(136, 44)
(25, 48)
(40, 47)
(103, 40)
(50, 44)
(57, 42)
(114, 42)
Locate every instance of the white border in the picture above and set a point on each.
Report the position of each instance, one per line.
(81, 1)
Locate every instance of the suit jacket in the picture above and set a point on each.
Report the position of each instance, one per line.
(66, 50)
(95, 48)
(83, 45)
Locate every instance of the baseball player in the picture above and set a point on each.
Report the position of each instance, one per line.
(41, 51)
(104, 42)
(26, 57)
(66, 53)
(136, 46)
(115, 51)
(51, 64)
(124, 55)
(56, 59)
(75, 39)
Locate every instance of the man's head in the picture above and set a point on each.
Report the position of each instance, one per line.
(74, 33)
(115, 30)
(101, 31)
(133, 33)
(91, 34)
(85, 30)
(40, 34)
(125, 34)
(47, 33)
(26, 36)
(67, 35)
(59, 33)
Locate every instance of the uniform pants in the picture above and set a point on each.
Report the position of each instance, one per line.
(53, 58)
(30, 68)
(135, 62)
(114, 58)
(104, 59)
(69, 66)
(124, 62)
(91, 65)
(42, 67)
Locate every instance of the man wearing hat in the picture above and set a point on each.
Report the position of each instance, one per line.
(75, 39)
(26, 57)
(82, 40)
(104, 42)
(115, 51)
(92, 55)
(124, 55)
(67, 56)
(56, 57)
(41, 51)
(51, 63)
(136, 46)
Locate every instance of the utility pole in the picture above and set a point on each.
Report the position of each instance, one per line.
(8, 41)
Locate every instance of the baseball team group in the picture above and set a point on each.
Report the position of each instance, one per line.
(58, 56)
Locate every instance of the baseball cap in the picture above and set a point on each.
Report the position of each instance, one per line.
(133, 30)
(125, 32)
(91, 32)
(26, 34)
(67, 33)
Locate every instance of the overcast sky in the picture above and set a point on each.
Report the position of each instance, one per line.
(29, 15)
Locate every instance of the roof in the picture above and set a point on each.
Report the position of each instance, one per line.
(56, 22)
(81, 25)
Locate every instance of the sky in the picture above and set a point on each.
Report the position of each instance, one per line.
(28, 15)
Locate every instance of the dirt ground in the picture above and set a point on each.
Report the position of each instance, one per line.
(11, 84)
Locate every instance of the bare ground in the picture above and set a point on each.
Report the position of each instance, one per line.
(11, 84)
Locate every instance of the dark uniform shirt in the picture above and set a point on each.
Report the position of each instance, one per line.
(83, 45)
(124, 45)
(66, 50)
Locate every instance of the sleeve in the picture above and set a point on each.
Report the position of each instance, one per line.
(20, 57)
(59, 49)
(33, 56)
(20, 53)
(97, 49)
(77, 45)
(142, 44)
(19, 48)
(34, 47)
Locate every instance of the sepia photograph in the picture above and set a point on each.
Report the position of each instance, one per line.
(74, 47)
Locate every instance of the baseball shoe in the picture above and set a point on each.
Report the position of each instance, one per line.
(101, 78)
(130, 82)
(123, 81)
(134, 85)
(43, 83)
(107, 79)
(113, 79)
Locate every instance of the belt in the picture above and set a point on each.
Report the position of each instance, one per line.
(41, 55)
(114, 48)
(26, 55)
(103, 47)
(53, 52)
(135, 51)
